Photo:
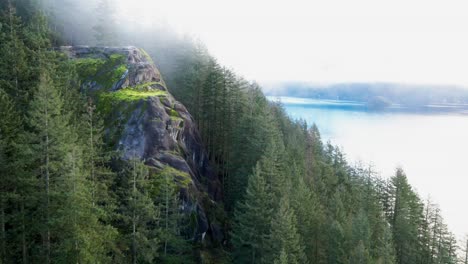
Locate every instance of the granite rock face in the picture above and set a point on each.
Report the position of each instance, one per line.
(147, 123)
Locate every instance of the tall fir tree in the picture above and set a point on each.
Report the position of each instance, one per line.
(139, 216)
(252, 222)
(284, 235)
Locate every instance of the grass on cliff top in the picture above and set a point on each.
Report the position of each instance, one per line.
(117, 107)
(129, 94)
(105, 72)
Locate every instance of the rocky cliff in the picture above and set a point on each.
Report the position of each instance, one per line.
(144, 121)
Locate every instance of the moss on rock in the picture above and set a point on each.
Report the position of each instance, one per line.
(129, 94)
(105, 72)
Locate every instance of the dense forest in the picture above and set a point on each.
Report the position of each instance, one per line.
(67, 195)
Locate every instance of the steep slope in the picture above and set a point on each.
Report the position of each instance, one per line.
(144, 121)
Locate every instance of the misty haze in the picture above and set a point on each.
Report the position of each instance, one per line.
(247, 131)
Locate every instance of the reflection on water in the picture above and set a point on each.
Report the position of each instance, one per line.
(430, 143)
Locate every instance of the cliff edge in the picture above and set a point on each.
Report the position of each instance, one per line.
(144, 121)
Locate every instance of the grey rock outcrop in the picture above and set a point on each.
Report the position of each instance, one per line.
(158, 130)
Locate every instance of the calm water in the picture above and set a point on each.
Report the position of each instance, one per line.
(430, 144)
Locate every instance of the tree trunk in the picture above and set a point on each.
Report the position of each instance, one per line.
(134, 250)
(91, 138)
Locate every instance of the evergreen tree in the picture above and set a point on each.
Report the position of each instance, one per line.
(139, 215)
(282, 259)
(67, 220)
(406, 216)
(172, 223)
(83, 237)
(335, 252)
(252, 222)
(48, 145)
(284, 235)
(310, 220)
(464, 256)
(9, 127)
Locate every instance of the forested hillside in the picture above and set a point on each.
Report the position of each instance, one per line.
(262, 188)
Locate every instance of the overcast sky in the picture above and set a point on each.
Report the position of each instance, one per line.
(409, 41)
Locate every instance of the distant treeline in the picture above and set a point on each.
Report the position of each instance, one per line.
(407, 95)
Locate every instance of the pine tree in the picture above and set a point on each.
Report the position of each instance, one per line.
(284, 235)
(139, 215)
(49, 145)
(282, 258)
(464, 256)
(96, 156)
(13, 58)
(335, 252)
(310, 220)
(9, 127)
(68, 221)
(83, 237)
(252, 221)
(360, 239)
(406, 216)
(175, 247)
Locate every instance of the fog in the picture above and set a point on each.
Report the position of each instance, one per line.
(421, 42)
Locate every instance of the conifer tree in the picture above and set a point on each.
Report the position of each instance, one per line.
(175, 247)
(9, 127)
(335, 252)
(96, 156)
(252, 222)
(139, 215)
(310, 220)
(13, 58)
(464, 246)
(284, 235)
(83, 237)
(282, 259)
(407, 212)
(49, 144)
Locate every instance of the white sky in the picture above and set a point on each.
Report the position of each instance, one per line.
(408, 41)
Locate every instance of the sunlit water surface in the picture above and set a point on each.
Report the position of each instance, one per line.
(430, 145)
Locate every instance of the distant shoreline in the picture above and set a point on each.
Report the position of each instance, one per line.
(347, 105)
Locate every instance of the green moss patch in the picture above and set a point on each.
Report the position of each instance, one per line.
(130, 94)
(122, 99)
(88, 67)
(181, 177)
(177, 179)
(117, 107)
(105, 72)
(174, 113)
